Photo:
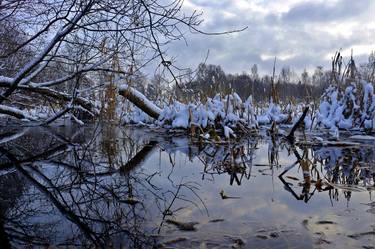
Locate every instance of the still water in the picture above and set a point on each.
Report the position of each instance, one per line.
(102, 186)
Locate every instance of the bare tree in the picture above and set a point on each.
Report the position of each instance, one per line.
(54, 52)
(285, 74)
(368, 69)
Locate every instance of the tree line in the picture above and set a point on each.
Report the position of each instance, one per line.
(211, 79)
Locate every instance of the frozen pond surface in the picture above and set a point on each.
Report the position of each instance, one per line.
(115, 187)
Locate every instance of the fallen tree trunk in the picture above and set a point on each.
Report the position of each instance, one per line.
(139, 100)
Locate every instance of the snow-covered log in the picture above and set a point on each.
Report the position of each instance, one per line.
(45, 91)
(139, 100)
(15, 112)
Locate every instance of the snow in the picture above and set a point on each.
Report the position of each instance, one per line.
(263, 119)
(206, 136)
(362, 137)
(78, 121)
(136, 116)
(334, 131)
(308, 122)
(181, 119)
(350, 108)
(273, 113)
(6, 80)
(228, 132)
(225, 111)
(319, 139)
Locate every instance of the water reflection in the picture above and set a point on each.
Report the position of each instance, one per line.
(106, 186)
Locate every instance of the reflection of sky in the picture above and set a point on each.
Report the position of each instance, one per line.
(264, 203)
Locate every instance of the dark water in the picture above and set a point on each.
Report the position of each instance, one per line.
(115, 187)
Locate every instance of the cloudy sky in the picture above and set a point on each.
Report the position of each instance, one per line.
(300, 33)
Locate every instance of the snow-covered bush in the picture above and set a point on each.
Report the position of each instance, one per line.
(228, 110)
(273, 113)
(352, 107)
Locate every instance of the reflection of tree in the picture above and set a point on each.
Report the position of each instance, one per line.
(109, 143)
(95, 207)
(348, 169)
(332, 169)
(324, 169)
(75, 193)
(11, 189)
(273, 149)
(235, 160)
(308, 171)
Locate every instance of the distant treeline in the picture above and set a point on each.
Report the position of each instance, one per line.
(211, 79)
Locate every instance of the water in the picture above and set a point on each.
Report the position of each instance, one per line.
(113, 187)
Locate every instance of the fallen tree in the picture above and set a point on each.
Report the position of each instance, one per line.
(139, 100)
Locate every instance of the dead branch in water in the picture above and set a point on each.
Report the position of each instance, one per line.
(290, 137)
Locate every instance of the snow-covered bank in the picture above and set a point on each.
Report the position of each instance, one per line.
(351, 107)
(228, 113)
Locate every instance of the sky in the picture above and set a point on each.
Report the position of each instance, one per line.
(300, 33)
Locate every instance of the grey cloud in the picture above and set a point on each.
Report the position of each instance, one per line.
(321, 12)
(212, 4)
(273, 35)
